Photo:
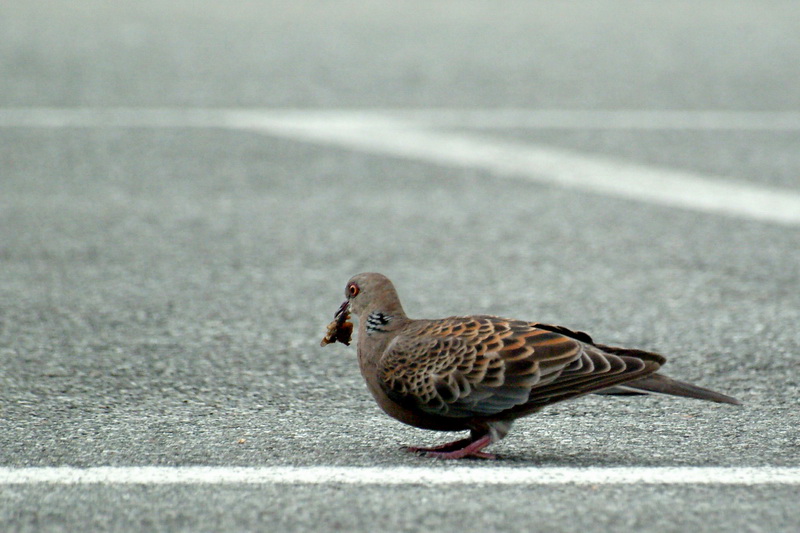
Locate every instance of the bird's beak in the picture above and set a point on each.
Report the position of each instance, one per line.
(341, 314)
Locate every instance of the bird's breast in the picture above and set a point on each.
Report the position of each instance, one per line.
(408, 414)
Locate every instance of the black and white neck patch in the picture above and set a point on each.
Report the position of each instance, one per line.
(377, 321)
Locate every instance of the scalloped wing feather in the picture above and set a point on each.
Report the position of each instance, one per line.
(485, 366)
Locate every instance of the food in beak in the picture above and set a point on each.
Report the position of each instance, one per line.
(340, 330)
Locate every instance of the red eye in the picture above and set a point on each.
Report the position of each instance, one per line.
(352, 290)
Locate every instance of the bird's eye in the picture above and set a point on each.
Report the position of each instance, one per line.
(352, 290)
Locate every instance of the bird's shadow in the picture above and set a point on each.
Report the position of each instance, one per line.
(534, 458)
(585, 460)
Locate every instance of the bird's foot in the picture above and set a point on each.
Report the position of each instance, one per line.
(446, 447)
(459, 449)
(460, 454)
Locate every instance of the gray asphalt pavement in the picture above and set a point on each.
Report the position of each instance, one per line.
(163, 291)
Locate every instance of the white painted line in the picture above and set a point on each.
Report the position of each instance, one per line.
(391, 134)
(593, 119)
(554, 166)
(501, 118)
(445, 475)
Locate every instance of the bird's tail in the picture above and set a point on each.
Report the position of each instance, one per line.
(661, 384)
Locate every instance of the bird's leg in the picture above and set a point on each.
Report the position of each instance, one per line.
(473, 449)
(469, 447)
(446, 447)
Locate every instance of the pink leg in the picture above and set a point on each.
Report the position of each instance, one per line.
(473, 449)
(447, 447)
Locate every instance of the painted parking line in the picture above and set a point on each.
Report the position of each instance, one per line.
(542, 164)
(445, 475)
(406, 135)
(598, 119)
(500, 118)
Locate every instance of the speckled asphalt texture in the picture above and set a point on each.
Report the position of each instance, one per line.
(163, 292)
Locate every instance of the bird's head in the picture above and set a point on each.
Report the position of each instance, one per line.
(369, 292)
(371, 297)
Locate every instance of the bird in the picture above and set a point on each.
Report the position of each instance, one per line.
(480, 373)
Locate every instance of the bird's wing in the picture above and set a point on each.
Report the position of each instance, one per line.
(486, 366)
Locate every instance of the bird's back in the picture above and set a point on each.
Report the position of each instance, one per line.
(495, 368)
